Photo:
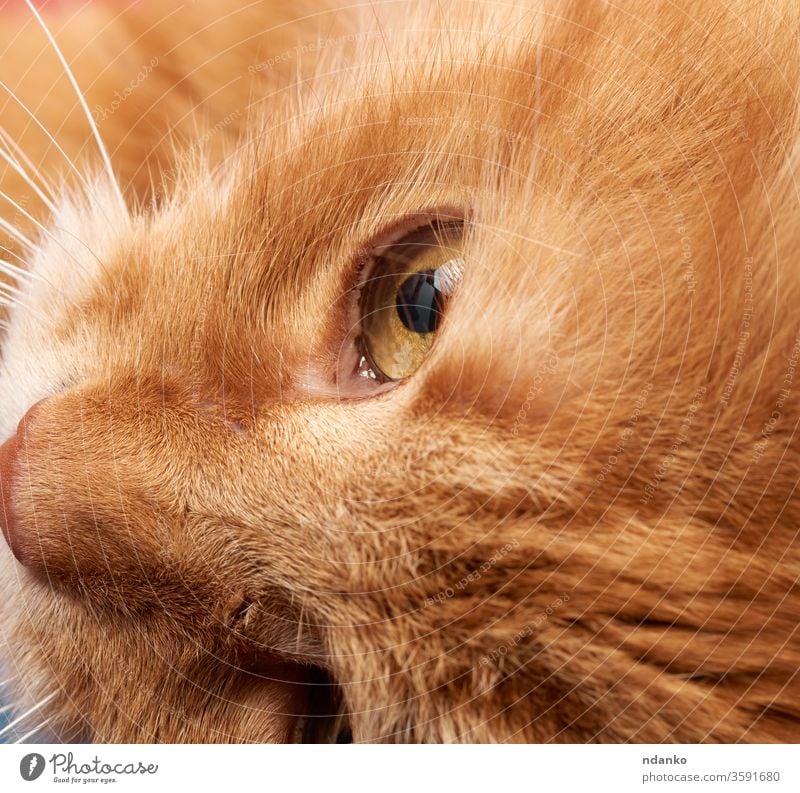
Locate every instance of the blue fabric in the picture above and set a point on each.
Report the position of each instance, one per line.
(5, 718)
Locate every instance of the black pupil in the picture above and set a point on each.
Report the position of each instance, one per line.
(419, 302)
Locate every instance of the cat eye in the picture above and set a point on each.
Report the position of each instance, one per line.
(403, 299)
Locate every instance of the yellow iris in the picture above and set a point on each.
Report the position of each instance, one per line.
(403, 300)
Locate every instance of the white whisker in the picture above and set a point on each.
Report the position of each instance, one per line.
(33, 732)
(87, 187)
(44, 129)
(23, 159)
(23, 212)
(5, 708)
(9, 289)
(28, 180)
(11, 302)
(16, 234)
(27, 713)
(81, 99)
(15, 271)
(18, 273)
(46, 231)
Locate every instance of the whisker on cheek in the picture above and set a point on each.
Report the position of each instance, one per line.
(56, 145)
(16, 234)
(81, 99)
(20, 274)
(21, 718)
(13, 271)
(18, 169)
(42, 228)
(6, 300)
(74, 168)
(10, 290)
(34, 733)
(31, 172)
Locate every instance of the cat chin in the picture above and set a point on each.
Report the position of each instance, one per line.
(23, 682)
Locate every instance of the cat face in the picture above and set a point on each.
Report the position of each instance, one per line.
(396, 409)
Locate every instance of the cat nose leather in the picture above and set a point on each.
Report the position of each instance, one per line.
(9, 472)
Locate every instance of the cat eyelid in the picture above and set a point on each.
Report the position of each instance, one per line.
(356, 375)
(392, 235)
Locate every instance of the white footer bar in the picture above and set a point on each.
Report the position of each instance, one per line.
(402, 769)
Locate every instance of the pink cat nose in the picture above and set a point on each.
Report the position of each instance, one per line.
(9, 472)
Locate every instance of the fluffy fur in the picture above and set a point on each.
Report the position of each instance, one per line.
(576, 522)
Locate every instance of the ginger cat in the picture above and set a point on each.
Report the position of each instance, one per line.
(404, 372)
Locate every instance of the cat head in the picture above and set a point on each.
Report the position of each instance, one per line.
(412, 407)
